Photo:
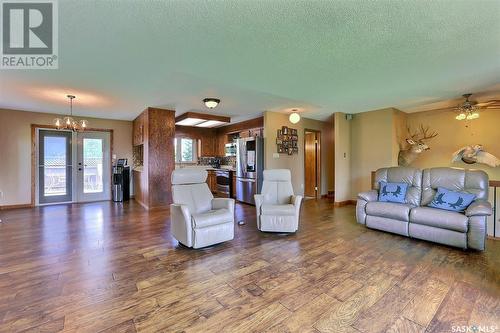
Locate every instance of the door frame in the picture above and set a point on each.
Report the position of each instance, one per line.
(34, 141)
(69, 175)
(79, 176)
(318, 160)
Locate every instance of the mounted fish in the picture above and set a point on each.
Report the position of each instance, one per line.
(415, 144)
(475, 154)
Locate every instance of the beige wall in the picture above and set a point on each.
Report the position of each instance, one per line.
(453, 135)
(342, 141)
(373, 146)
(272, 122)
(15, 150)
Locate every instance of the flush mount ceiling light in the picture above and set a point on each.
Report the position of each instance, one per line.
(68, 122)
(211, 103)
(201, 120)
(294, 117)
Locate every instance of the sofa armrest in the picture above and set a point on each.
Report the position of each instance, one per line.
(368, 196)
(296, 200)
(479, 208)
(181, 224)
(259, 200)
(220, 203)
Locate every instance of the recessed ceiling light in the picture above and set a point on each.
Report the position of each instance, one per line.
(211, 102)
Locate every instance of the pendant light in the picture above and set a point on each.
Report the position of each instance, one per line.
(68, 122)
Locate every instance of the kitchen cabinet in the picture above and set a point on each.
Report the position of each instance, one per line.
(233, 188)
(154, 130)
(138, 130)
(212, 181)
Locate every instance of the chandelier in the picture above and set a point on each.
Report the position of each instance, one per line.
(68, 122)
(467, 110)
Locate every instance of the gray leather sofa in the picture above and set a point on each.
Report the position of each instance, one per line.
(414, 219)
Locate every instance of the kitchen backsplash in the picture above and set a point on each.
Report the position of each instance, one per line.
(226, 160)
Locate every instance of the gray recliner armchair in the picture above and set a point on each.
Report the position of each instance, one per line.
(198, 219)
(277, 207)
(414, 219)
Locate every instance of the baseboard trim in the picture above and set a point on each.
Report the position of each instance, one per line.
(344, 203)
(5, 207)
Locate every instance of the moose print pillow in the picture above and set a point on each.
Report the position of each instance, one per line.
(392, 192)
(451, 200)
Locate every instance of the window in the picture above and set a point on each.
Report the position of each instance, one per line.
(185, 150)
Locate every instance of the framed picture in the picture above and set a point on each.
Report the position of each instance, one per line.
(278, 141)
(279, 133)
(295, 149)
(280, 149)
(290, 150)
(284, 130)
(294, 131)
(294, 144)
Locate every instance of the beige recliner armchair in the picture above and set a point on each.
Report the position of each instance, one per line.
(199, 220)
(277, 207)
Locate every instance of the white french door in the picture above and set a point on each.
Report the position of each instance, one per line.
(73, 167)
(93, 169)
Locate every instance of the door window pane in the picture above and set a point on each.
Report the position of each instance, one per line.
(92, 166)
(54, 164)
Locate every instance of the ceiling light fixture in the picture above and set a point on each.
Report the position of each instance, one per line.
(201, 119)
(294, 117)
(211, 103)
(467, 110)
(68, 122)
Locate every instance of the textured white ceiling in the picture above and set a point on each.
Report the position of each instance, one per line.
(119, 57)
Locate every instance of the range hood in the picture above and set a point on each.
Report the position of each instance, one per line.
(201, 120)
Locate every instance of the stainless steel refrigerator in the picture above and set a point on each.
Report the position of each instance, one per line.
(249, 167)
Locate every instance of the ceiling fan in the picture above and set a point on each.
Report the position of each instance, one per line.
(469, 109)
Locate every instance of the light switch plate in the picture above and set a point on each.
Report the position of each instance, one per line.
(276, 155)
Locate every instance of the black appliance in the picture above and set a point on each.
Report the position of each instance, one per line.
(121, 181)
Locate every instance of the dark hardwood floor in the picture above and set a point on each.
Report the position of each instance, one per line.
(115, 268)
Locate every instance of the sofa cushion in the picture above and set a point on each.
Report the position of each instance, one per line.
(452, 200)
(278, 210)
(439, 218)
(212, 217)
(386, 224)
(392, 192)
(390, 210)
(410, 176)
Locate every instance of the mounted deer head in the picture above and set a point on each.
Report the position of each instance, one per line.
(416, 143)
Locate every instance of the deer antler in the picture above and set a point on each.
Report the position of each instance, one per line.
(412, 135)
(425, 133)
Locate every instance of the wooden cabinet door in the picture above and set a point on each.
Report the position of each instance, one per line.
(233, 188)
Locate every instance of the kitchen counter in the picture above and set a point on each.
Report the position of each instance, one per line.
(208, 167)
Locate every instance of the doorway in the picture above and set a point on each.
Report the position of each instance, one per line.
(72, 167)
(312, 163)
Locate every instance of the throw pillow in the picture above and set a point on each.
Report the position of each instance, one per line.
(392, 192)
(451, 200)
